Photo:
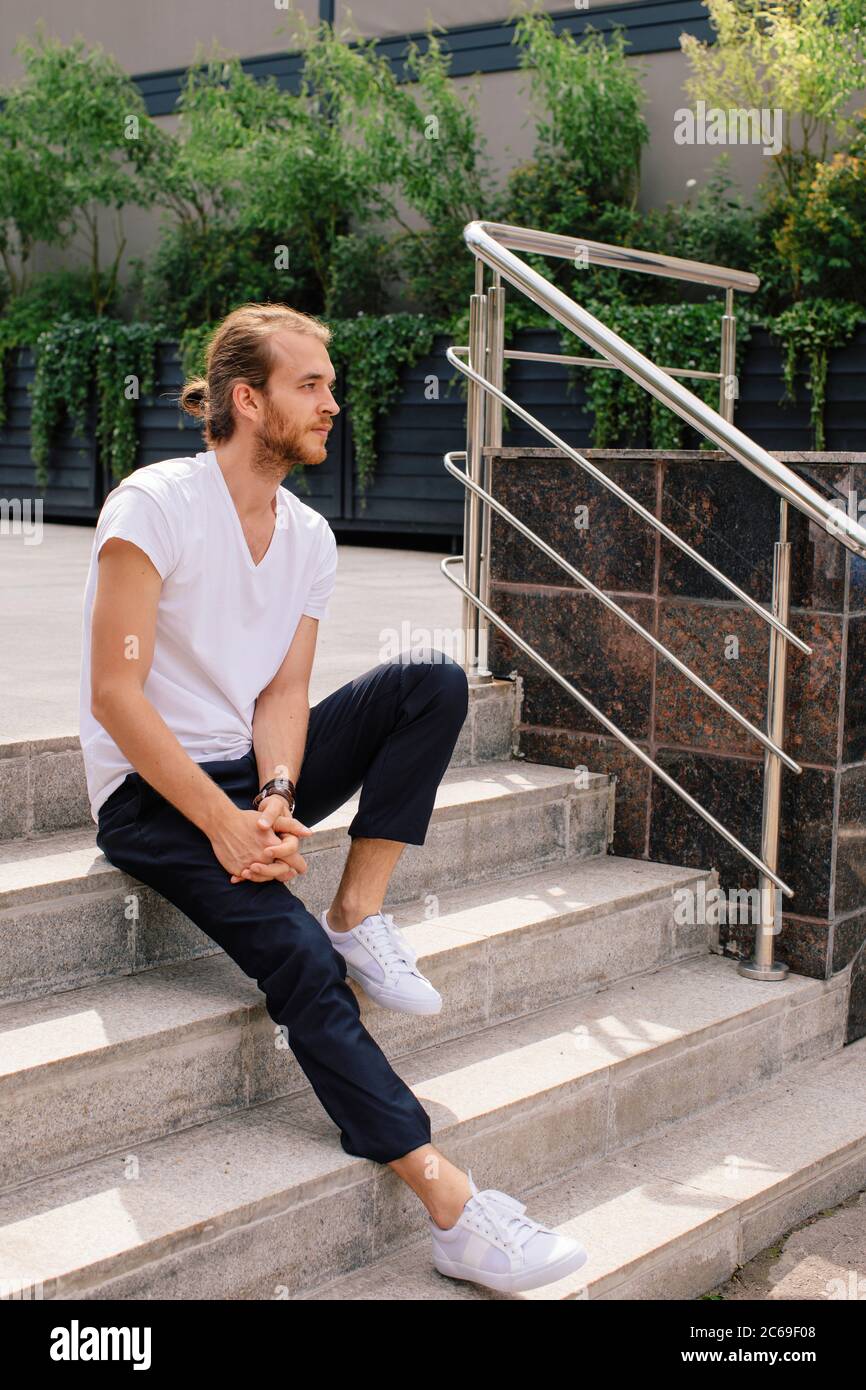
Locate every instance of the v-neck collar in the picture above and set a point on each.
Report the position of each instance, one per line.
(223, 486)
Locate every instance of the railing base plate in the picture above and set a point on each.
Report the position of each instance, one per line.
(753, 971)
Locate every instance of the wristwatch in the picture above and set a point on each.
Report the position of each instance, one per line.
(278, 786)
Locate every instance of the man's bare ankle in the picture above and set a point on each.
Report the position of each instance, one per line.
(448, 1213)
(343, 919)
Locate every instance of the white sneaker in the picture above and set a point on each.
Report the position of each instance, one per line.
(494, 1244)
(380, 958)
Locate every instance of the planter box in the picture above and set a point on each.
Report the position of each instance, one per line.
(411, 493)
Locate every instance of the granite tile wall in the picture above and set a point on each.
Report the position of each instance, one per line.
(730, 518)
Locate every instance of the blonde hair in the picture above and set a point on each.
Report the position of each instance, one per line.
(239, 350)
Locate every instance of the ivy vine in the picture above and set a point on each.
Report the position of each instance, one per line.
(809, 330)
(372, 351)
(75, 356)
(672, 335)
(688, 335)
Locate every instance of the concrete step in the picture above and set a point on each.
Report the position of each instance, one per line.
(43, 787)
(157, 1051)
(265, 1203)
(68, 917)
(674, 1216)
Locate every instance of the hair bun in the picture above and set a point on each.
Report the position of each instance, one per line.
(194, 397)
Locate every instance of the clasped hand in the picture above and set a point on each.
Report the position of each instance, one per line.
(256, 846)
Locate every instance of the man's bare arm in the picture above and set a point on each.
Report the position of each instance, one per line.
(283, 709)
(123, 634)
(280, 727)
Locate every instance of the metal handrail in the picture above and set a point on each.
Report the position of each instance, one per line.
(571, 248)
(489, 243)
(614, 607)
(568, 360)
(658, 382)
(626, 497)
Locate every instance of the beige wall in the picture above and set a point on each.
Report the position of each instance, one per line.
(666, 166)
(148, 35)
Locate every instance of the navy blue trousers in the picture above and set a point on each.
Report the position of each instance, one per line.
(391, 732)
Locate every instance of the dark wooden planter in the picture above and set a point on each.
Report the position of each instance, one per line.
(411, 493)
(75, 486)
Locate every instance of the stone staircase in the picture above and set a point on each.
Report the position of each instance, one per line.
(593, 1056)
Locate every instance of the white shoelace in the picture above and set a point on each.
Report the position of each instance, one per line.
(511, 1226)
(388, 944)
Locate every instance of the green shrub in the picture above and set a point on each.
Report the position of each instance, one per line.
(821, 237)
(672, 335)
(199, 274)
(587, 101)
(808, 331)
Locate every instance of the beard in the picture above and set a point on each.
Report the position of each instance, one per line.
(280, 446)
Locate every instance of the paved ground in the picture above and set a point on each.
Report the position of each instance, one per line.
(382, 598)
(821, 1260)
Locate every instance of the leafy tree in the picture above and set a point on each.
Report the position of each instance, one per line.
(35, 202)
(803, 57)
(222, 111)
(87, 126)
(316, 175)
(429, 161)
(587, 100)
(214, 252)
(821, 235)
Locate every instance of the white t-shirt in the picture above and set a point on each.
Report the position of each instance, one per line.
(224, 624)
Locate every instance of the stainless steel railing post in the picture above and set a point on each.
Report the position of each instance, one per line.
(475, 624)
(728, 366)
(495, 336)
(761, 965)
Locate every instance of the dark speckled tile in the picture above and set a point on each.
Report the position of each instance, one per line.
(856, 566)
(600, 755)
(813, 689)
(854, 733)
(849, 938)
(851, 844)
(849, 948)
(589, 646)
(732, 790)
(856, 584)
(732, 519)
(728, 647)
(729, 517)
(856, 1027)
(804, 946)
(611, 545)
(818, 560)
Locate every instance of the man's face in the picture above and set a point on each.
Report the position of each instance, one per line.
(298, 406)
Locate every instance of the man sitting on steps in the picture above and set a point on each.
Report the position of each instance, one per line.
(206, 766)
